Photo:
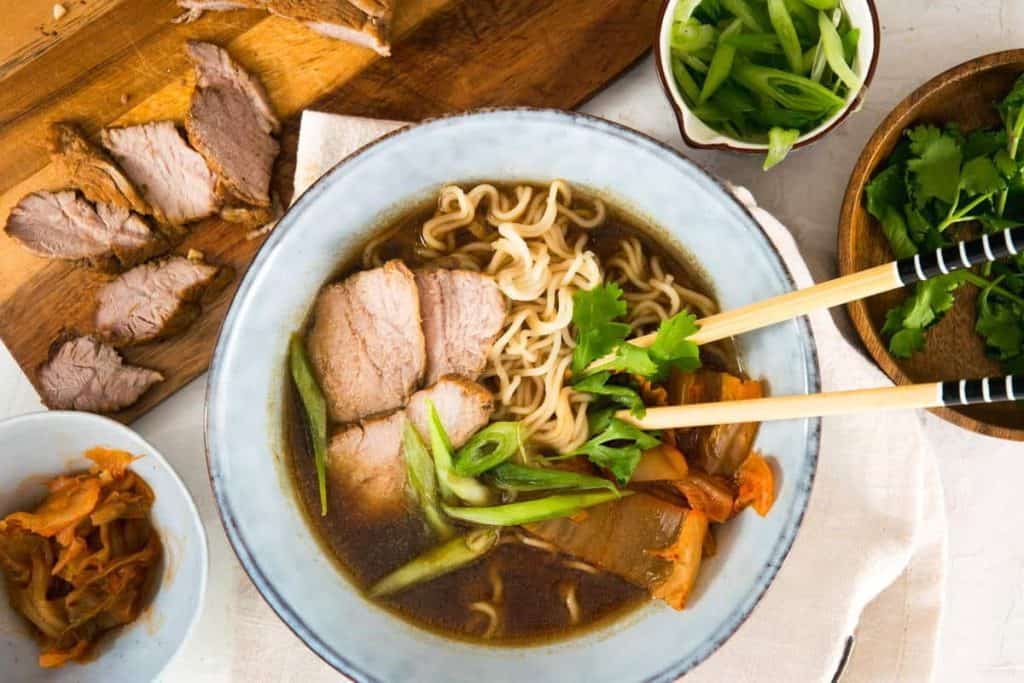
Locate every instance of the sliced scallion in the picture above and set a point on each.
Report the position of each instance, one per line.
(452, 485)
(520, 478)
(420, 471)
(552, 507)
(315, 406)
(445, 558)
(835, 55)
(488, 448)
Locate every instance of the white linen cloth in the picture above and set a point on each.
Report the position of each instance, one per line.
(870, 555)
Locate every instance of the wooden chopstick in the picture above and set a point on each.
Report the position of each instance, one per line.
(931, 395)
(843, 290)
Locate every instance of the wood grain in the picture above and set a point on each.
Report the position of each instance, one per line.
(964, 94)
(121, 62)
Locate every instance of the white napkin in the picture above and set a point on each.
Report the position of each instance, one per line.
(875, 529)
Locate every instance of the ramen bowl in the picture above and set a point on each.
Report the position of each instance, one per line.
(260, 510)
(37, 447)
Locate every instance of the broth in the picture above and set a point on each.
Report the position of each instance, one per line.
(536, 581)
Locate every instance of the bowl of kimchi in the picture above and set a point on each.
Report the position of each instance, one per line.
(142, 549)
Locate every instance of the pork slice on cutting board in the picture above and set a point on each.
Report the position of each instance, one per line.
(231, 123)
(365, 464)
(362, 22)
(463, 313)
(155, 300)
(63, 225)
(366, 344)
(174, 178)
(85, 374)
(86, 167)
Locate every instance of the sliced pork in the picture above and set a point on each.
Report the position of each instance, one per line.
(63, 225)
(365, 465)
(366, 344)
(174, 178)
(231, 124)
(464, 407)
(86, 374)
(362, 22)
(366, 470)
(88, 168)
(155, 300)
(463, 313)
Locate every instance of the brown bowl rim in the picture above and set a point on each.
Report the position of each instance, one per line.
(839, 120)
(901, 116)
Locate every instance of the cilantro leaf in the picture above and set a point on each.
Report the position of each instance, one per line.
(618, 448)
(906, 342)
(905, 324)
(885, 194)
(1011, 109)
(922, 231)
(627, 397)
(1000, 324)
(935, 169)
(984, 143)
(594, 314)
(672, 346)
(632, 359)
(980, 176)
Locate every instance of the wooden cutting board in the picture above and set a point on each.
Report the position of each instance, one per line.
(122, 62)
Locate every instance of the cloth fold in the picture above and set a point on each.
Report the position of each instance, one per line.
(871, 549)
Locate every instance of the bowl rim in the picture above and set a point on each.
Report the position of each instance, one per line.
(44, 416)
(901, 116)
(680, 108)
(284, 611)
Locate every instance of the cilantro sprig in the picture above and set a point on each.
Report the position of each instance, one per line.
(600, 333)
(617, 448)
(935, 179)
(597, 316)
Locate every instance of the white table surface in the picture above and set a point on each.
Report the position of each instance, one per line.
(983, 635)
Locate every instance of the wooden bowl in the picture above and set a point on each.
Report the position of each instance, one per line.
(965, 94)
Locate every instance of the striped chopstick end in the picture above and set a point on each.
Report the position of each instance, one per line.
(988, 390)
(944, 260)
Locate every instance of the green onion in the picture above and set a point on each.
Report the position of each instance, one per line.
(721, 63)
(786, 32)
(805, 20)
(835, 54)
(445, 558)
(821, 4)
(695, 63)
(452, 485)
(789, 90)
(691, 91)
(691, 36)
(488, 448)
(766, 43)
(420, 470)
(744, 12)
(315, 406)
(780, 141)
(513, 477)
(552, 507)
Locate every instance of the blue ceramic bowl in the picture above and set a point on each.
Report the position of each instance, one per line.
(244, 438)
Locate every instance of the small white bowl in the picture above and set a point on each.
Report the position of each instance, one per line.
(36, 447)
(696, 133)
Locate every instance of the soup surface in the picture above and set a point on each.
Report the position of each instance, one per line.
(524, 591)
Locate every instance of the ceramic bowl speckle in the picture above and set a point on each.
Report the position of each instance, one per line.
(328, 223)
(36, 447)
(698, 134)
